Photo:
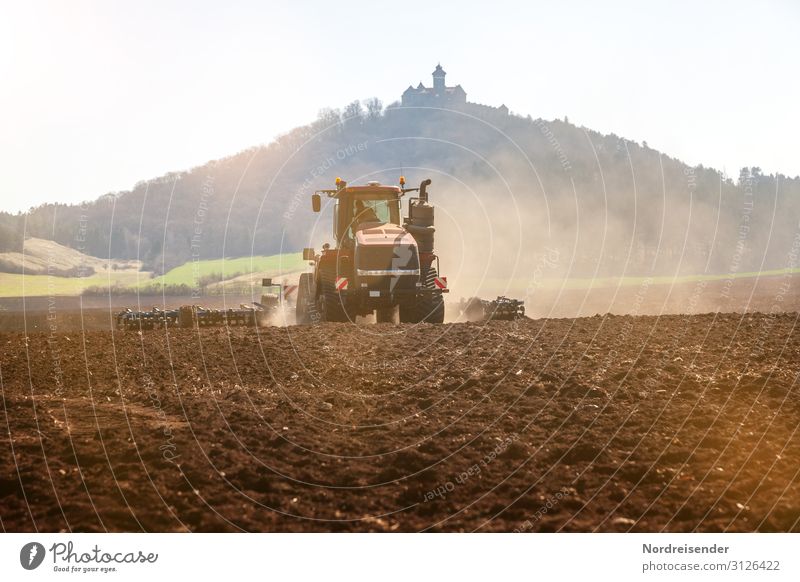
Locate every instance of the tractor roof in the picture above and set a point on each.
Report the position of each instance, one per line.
(372, 191)
(377, 188)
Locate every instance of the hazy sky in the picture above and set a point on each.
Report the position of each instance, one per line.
(96, 96)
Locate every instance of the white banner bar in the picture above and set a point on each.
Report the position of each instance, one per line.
(400, 557)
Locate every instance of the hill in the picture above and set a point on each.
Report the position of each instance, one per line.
(47, 257)
(517, 198)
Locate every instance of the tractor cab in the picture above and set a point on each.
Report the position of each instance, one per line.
(359, 207)
(356, 207)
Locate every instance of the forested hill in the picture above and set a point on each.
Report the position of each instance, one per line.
(508, 189)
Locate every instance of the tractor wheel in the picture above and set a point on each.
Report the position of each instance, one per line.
(427, 309)
(306, 310)
(430, 309)
(331, 307)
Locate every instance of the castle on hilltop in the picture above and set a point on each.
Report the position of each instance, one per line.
(444, 97)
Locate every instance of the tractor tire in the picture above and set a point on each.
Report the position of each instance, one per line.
(427, 309)
(306, 311)
(430, 309)
(331, 307)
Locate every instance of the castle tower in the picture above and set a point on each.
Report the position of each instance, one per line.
(438, 80)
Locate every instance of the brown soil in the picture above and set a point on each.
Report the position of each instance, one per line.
(612, 423)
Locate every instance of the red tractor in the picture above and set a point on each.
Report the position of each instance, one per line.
(381, 263)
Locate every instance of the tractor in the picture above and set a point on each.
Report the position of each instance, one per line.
(381, 264)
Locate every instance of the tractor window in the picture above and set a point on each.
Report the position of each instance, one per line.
(335, 219)
(376, 211)
(353, 213)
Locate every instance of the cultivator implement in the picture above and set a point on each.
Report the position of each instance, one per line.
(191, 316)
(502, 308)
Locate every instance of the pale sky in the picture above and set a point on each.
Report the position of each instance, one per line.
(95, 96)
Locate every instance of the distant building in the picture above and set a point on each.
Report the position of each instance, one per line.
(440, 95)
(444, 97)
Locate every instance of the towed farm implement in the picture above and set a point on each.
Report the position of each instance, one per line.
(190, 316)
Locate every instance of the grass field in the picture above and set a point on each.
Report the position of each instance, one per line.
(15, 285)
(189, 273)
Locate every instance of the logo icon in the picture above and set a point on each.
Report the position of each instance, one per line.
(31, 555)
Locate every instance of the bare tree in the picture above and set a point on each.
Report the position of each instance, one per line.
(328, 116)
(374, 108)
(353, 110)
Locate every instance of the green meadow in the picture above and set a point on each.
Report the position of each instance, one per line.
(16, 285)
(189, 273)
